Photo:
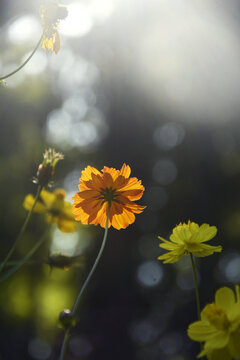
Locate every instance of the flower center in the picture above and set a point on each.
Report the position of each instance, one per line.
(216, 316)
(108, 195)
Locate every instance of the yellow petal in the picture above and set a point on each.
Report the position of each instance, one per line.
(66, 225)
(205, 233)
(201, 330)
(217, 341)
(47, 197)
(234, 344)
(56, 43)
(204, 250)
(225, 298)
(217, 354)
(28, 203)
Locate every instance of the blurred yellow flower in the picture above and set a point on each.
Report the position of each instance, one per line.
(51, 14)
(219, 326)
(57, 210)
(189, 239)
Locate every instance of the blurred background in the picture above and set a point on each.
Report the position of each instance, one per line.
(155, 84)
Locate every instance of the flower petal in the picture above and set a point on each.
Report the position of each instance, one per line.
(206, 250)
(205, 233)
(125, 171)
(48, 198)
(201, 330)
(29, 201)
(87, 173)
(225, 298)
(120, 220)
(66, 225)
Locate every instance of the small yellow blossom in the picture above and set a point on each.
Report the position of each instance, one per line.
(189, 239)
(51, 14)
(57, 210)
(219, 326)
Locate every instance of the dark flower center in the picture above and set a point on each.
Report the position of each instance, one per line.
(108, 195)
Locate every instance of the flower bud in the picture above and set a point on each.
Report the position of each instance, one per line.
(46, 170)
(66, 319)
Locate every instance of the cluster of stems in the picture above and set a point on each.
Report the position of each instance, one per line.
(30, 253)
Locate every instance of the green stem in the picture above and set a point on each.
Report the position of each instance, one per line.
(76, 304)
(22, 229)
(25, 62)
(196, 286)
(197, 293)
(65, 344)
(25, 259)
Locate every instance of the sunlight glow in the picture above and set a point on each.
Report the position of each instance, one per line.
(78, 21)
(24, 29)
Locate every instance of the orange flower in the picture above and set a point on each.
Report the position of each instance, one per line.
(109, 188)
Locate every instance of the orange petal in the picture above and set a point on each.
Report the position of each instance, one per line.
(86, 194)
(132, 184)
(80, 215)
(125, 171)
(88, 205)
(96, 183)
(87, 173)
(121, 221)
(120, 182)
(135, 194)
(100, 217)
(130, 205)
(111, 171)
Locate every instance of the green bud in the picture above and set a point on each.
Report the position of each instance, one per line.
(46, 170)
(66, 319)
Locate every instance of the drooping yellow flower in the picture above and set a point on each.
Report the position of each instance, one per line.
(219, 326)
(51, 14)
(189, 239)
(57, 210)
(111, 187)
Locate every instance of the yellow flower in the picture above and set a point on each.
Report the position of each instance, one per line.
(189, 239)
(219, 326)
(57, 210)
(51, 14)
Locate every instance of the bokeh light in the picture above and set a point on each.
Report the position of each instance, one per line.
(149, 273)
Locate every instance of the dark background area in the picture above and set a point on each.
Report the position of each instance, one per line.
(103, 101)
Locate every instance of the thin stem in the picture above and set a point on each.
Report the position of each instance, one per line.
(25, 259)
(25, 62)
(22, 229)
(196, 286)
(197, 293)
(65, 344)
(76, 304)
